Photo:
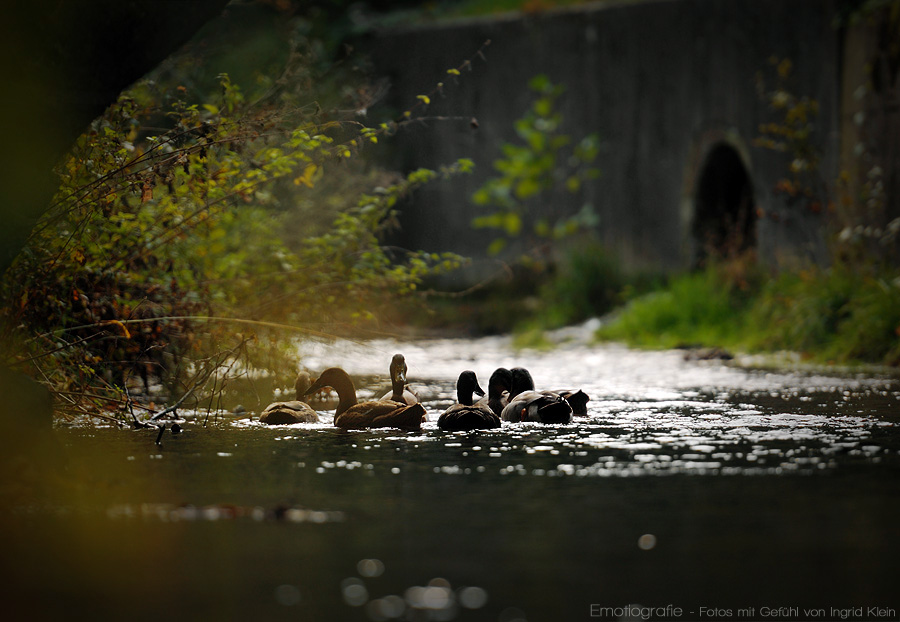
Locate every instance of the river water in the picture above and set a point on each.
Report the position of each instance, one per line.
(694, 490)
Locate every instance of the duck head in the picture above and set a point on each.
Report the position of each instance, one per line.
(466, 385)
(500, 381)
(398, 370)
(398, 377)
(301, 384)
(340, 381)
(521, 381)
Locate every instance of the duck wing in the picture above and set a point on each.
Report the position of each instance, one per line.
(495, 404)
(407, 397)
(280, 413)
(460, 417)
(381, 414)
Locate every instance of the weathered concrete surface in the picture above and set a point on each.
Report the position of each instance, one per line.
(662, 82)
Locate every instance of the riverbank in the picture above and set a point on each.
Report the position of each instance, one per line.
(839, 315)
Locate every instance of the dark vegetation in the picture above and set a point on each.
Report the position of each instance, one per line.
(202, 221)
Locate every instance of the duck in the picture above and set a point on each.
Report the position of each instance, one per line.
(400, 392)
(539, 406)
(465, 414)
(577, 399)
(324, 399)
(294, 411)
(499, 387)
(526, 404)
(522, 381)
(353, 415)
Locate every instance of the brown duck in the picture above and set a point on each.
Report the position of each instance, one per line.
(353, 415)
(295, 411)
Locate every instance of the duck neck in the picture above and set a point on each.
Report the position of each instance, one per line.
(398, 378)
(301, 386)
(521, 382)
(343, 385)
(397, 395)
(464, 396)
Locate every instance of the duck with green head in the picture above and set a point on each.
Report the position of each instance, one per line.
(499, 387)
(522, 381)
(466, 414)
(526, 404)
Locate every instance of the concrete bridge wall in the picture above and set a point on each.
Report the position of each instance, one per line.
(665, 84)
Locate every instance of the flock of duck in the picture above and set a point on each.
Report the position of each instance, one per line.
(511, 396)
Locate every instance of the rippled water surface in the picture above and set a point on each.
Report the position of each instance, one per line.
(689, 484)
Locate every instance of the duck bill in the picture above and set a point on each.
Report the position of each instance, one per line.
(313, 388)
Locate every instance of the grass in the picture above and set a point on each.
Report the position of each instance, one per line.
(832, 315)
(844, 314)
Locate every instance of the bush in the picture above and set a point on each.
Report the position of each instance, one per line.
(587, 282)
(164, 252)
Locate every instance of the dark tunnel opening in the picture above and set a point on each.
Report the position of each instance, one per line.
(724, 213)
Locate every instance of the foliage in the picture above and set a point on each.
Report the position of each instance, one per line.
(856, 210)
(703, 307)
(167, 233)
(587, 282)
(531, 173)
(793, 133)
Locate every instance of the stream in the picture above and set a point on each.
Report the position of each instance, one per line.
(693, 490)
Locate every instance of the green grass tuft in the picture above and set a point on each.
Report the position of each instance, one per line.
(829, 315)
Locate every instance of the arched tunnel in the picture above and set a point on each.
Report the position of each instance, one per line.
(724, 221)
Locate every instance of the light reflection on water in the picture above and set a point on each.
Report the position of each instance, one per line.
(688, 483)
(651, 413)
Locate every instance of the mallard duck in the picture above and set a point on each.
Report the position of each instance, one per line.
(295, 411)
(577, 399)
(400, 391)
(499, 387)
(522, 381)
(526, 404)
(539, 406)
(351, 414)
(466, 415)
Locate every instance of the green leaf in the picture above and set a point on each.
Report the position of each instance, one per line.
(496, 247)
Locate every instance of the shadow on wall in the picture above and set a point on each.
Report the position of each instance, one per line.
(724, 222)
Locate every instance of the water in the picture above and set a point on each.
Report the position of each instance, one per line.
(690, 484)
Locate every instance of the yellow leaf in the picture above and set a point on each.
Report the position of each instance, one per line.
(119, 325)
(307, 177)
